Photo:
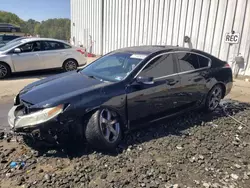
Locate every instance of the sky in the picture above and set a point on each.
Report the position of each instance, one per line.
(37, 9)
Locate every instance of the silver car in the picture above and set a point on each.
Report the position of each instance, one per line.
(37, 54)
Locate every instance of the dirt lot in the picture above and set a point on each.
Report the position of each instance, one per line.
(194, 150)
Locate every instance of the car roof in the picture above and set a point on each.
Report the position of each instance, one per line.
(150, 49)
(31, 39)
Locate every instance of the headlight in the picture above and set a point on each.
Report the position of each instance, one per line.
(38, 117)
(15, 100)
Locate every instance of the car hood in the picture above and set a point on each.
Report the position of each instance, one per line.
(67, 84)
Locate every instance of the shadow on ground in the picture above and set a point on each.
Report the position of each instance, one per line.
(33, 74)
(173, 126)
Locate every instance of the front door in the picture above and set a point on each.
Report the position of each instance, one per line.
(28, 59)
(147, 102)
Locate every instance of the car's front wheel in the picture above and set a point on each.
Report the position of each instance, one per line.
(103, 130)
(213, 98)
(4, 71)
(70, 65)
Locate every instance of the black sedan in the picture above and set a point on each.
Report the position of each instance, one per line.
(122, 90)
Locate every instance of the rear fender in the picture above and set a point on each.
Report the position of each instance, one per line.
(7, 60)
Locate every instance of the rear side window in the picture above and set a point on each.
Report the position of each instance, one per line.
(66, 46)
(53, 45)
(190, 61)
(203, 61)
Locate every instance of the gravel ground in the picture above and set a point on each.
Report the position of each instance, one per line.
(194, 150)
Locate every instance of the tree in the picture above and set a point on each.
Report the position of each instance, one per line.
(52, 28)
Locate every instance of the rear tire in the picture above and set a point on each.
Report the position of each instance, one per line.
(103, 130)
(70, 65)
(213, 98)
(4, 71)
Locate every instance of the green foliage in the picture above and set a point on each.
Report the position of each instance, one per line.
(52, 28)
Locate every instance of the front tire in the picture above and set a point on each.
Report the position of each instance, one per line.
(103, 130)
(4, 71)
(70, 65)
(213, 98)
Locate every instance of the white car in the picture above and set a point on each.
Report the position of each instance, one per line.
(37, 54)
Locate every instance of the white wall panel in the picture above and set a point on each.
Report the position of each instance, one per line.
(244, 48)
(170, 25)
(228, 26)
(190, 16)
(146, 23)
(203, 24)
(176, 22)
(211, 25)
(86, 16)
(183, 21)
(196, 23)
(115, 24)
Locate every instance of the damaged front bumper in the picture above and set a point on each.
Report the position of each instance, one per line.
(20, 121)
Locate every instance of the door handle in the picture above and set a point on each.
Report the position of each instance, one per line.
(172, 82)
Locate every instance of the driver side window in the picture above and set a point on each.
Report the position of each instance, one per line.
(159, 67)
(30, 47)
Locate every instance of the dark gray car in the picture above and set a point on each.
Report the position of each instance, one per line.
(5, 27)
(4, 39)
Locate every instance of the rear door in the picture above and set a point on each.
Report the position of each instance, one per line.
(28, 59)
(192, 69)
(52, 53)
(147, 102)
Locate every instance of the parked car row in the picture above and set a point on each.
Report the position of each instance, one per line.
(120, 91)
(29, 54)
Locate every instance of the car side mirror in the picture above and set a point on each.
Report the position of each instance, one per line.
(17, 50)
(145, 80)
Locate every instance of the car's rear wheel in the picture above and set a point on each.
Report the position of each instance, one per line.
(4, 71)
(103, 130)
(213, 98)
(70, 65)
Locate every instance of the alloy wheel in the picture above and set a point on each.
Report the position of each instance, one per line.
(70, 66)
(110, 126)
(215, 98)
(3, 71)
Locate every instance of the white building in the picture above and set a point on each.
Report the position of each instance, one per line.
(113, 24)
